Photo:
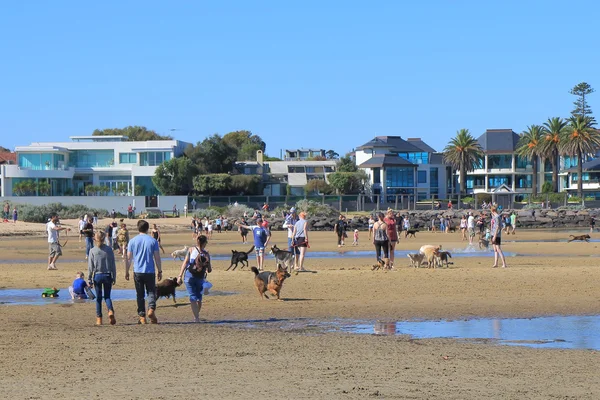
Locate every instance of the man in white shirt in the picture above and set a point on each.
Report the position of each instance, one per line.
(55, 248)
(81, 225)
(471, 227)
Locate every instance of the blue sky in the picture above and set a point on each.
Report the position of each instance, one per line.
(324, 74)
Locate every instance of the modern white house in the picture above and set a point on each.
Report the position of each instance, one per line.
(278, 176)
(124, 167)
(396, 166)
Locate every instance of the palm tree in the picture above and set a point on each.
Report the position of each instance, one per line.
(553, 129)
(529, 145)
(578, 139)
(464, 154)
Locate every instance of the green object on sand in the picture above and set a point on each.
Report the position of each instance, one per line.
(50, 292)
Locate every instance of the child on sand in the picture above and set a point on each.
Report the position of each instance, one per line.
(78, 288)
(355, 242)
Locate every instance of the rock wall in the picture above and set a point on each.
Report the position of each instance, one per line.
(553, 218)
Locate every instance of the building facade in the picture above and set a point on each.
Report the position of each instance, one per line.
(303, 154)
(68, 168)
(404, 167)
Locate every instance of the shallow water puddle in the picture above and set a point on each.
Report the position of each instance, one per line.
(33, 297)
(564, 332)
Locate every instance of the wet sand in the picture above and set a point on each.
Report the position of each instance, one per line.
(57, 351)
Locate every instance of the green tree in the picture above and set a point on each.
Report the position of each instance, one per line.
(246, 184)
(331, 155)
(553, 130)
(579, 139)
(212, 184)
(529, 145)
(346, 164)
(464, 154)
(175, 177)
(318, 186)
(347, 182)
(581, 106)
(246, 144)
(133, 133)
(212, 156)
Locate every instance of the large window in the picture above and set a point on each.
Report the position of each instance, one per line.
(145, 187)
(117, 185)
(569, 162)
(502, 161)
(127, 158)
(154, 158)
(416, 158)
(400, 177)
(92, 158)
(495, 181)
(475, 181)
(433, 177)
(522, 162)
(40, 161)
(523, 181)
(376, 175)
(422, 176)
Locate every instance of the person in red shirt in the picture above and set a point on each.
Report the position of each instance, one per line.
(392, 232)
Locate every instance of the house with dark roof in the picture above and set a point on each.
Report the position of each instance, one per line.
(408, 168)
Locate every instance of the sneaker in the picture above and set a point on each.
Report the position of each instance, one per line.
(152, 317)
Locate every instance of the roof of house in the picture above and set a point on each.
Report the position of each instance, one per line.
(421, 144)
(436, 158)
(7, 157)
(592, 165)
(386, 160)
(393, 143)
(498, 141)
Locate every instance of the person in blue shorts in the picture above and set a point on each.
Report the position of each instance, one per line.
(261, 240)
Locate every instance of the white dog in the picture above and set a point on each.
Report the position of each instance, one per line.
(180, 253)
(416, 259)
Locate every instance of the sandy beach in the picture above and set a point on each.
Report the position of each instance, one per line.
(58, 352)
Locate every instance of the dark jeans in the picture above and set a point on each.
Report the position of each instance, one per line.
(89, 244)
(103, 283)
(145, 284)
(340, 238)
(382, 245)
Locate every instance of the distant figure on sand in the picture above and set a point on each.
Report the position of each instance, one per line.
(496, 231)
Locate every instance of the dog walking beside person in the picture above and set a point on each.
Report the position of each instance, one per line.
(195, 278)
(55, 247)
(102, 275)
(144, 252)
(300, 235)
(496, 232)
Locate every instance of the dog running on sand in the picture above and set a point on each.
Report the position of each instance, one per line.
(271, 281)
(239, 257)
(166, 288)
(410, 233)
(585, 237)
(180, 253)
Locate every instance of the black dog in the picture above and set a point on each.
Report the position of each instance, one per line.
(167, 288)
(239, 257)
(410, 232)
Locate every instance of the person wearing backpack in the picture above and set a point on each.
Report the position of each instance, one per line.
(193, 272)
(261, 240)
(380, 237)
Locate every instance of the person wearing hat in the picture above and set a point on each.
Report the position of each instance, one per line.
(261, 239)
(290, 221)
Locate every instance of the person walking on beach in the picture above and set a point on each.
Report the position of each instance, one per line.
(340, 230)
(123, 239)
(290, 222)
(5, 212)
(156, 236)
(15, 215)
(102, 275)
(194, 283)
(463, 227)
(471, 227)
(143, 250)
(513, 222)
(81, 225)
(392, 233)
(300, 235)
(496, 231)
(88, 233)
(371, 223)
(380, 237)
(261, 240)
(592, 224)
(55, 248)
(243, 231)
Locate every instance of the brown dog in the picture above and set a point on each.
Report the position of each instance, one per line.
(585, 237)
(167, 288)
(383, 264)
(443, 256)
(271, 281)
(431, 252)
